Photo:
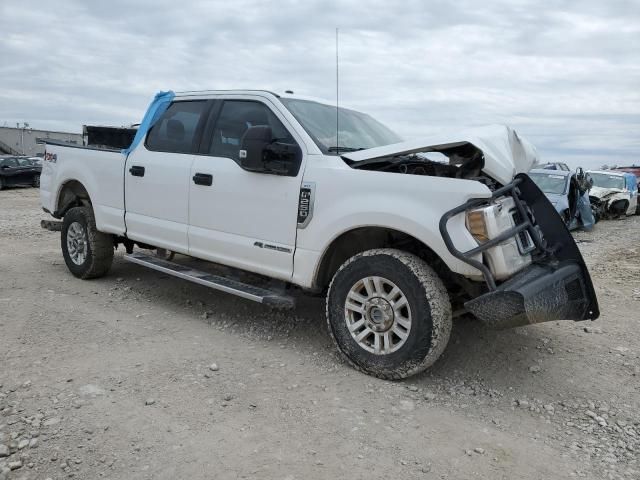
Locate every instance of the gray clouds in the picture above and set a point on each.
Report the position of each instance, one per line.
(564, 74)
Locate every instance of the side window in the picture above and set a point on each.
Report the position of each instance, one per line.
(9, 162)
(175, 130)
(236, 116)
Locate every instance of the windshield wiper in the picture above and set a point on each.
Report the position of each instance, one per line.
(345, 149)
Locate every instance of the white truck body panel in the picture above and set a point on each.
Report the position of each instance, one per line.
(158, 203)
(99, 171)
(411, 204)
(240, 211)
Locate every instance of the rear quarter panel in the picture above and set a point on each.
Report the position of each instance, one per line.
(99, 171)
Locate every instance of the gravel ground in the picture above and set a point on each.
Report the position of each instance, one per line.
(140, 375)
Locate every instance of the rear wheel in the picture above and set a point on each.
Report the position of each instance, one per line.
(388, 313)
(36, 181)
(87, 252)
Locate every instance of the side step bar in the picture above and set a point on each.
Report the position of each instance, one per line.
(217, 282)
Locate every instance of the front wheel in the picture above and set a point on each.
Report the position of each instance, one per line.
(388, 313)
(87, 252)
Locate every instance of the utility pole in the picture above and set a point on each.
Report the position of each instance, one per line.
(25, 125)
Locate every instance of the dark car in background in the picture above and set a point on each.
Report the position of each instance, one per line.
(19, 171)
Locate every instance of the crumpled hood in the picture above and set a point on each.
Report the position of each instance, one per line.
(505, 152)
(601, 192)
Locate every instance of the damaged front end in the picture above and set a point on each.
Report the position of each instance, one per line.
(530, 264)
(609, 202)
(557, 284)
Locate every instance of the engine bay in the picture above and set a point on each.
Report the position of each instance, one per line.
(463, 161)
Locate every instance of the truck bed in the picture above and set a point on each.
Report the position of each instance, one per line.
(97, 170)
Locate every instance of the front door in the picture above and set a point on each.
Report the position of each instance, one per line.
(238, 217)
(157, 178)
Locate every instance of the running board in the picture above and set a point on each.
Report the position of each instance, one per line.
(217, 282)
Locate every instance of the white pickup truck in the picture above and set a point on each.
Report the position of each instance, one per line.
(401, 236)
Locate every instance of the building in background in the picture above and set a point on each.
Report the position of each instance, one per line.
(28, 141)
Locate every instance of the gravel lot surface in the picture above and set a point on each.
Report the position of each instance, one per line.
(139, 375)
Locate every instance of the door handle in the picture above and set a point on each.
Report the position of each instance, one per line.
(137, 171)
(203, 179)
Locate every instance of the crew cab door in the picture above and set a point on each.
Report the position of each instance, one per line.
(157, 177)
(242, 218)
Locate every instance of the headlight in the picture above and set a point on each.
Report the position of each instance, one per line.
(513, 253)
(477, 225)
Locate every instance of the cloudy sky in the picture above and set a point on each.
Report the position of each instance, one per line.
(565, 74)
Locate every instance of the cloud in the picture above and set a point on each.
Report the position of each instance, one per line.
(564, 74)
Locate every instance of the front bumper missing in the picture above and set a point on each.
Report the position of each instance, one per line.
(557, 286)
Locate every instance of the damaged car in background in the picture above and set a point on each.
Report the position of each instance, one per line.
(613, 194)
(568, 193)
(401, 236)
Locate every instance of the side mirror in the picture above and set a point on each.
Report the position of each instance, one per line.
(254, 141)
(260, 152)
(4, 167)
(283, 158)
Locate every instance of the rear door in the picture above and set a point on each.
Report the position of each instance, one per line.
(157, 177)
(237, 217)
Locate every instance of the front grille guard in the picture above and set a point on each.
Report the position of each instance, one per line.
(526, 224)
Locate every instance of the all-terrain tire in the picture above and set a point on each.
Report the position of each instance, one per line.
(98, 247)
(428, 304)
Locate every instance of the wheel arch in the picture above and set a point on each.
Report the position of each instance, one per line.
(360, 239)
(72, 194)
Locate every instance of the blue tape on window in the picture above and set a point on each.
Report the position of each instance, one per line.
(158, 106)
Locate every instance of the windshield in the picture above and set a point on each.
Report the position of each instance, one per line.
(549, 183)
(607, 181)
(357, 130)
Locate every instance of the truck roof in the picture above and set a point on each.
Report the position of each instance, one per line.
(200, 93)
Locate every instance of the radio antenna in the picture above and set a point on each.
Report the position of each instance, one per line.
(337, 102)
